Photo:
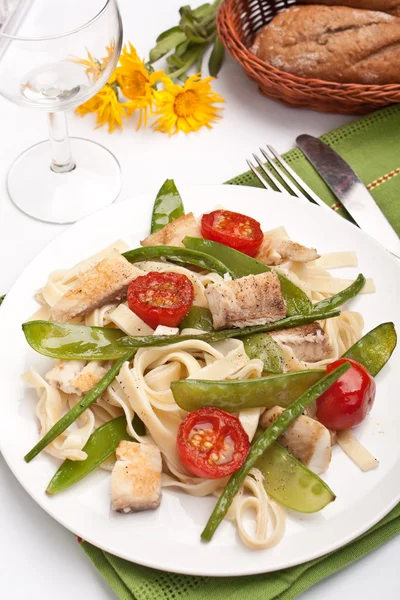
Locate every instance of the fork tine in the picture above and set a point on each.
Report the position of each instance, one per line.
(292, 186)
(259, 176)
(270, 174)
(297, 179)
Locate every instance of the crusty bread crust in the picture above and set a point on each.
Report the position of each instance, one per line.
(333, 43)
(382, 5)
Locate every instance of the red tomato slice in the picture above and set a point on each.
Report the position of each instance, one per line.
(349, 400)
(161, 298)
(232, 229)
(212, 443)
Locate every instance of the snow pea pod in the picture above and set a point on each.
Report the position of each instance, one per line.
(239, 264)
(73, 342)
(342, 297)
(269, 436)
(234, 396)
(181, 256)
(264, 347)
(100, 446)
(291, 483)
(375, 348)
(79, 408)
(198, 317)
(215, 336)
(168, 206)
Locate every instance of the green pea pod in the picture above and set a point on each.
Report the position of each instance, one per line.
(167, 206)
(146, 341)
(269, 436)
(79, 408)
(375, 348)
(342, 297)
(198, 317)
(216, 57)
(239, 265)
(264, 347)
(101, 445)
(73, 342)
(290, 483)
(181, 256)
(234, 396)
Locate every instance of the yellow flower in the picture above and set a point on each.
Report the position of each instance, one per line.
(188, 107)
(94, 67)
(136, 83)
(107, 107)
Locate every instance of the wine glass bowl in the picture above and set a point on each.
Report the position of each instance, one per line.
(54, 57)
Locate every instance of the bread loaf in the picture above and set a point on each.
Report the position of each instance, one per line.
(392, 6)
(333, 43)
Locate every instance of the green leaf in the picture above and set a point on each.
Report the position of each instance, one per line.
(167, 33)
(1, 299)
(216, 58)
(203, 11)
(166, 45)
(182, 48)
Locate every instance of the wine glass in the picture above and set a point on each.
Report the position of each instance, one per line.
(42, 50)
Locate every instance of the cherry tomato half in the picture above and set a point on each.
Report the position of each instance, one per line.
(349, 400)
(232, 229)
(212, 443)
(161, 298)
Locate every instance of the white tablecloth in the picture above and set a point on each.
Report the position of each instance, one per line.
(39, 559)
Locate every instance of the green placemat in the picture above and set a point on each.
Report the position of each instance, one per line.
(371, 145)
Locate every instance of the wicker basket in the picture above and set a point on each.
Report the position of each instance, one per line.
(238, 22)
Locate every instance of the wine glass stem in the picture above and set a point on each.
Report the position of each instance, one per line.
(61, 161)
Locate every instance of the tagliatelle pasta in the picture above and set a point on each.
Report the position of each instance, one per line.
(143, 386)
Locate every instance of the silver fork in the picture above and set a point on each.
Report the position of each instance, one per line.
(280, 167)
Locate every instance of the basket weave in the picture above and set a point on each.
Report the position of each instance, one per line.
(238, 22)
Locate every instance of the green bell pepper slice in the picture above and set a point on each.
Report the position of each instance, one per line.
(291, 483)
(234, 396)
(239, 264)
(168, 206)
(264, 347)
(79, 408)
(375, 348)
(101, 445)
(269, 436)
(73, 342)
(180, 256)
(198, 317)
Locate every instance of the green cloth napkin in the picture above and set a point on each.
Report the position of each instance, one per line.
(371, 145)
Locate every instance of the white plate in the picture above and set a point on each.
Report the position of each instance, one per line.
(169, 538)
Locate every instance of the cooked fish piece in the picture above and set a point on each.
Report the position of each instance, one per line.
(307, 439)
(103, 283)
(274, 251)
(136, 477)
(251, 300)
(75, 376)
(308, 342)
(173, 233)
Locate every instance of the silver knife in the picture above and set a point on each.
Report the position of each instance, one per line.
(350, 190)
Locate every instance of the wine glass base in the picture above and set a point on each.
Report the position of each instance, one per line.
(64, 197)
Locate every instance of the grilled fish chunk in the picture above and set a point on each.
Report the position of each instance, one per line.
(308, 342)
(251, 300)
(136, 477)
(173, 233)
(103, 283)
(275, 251)
(307, 439)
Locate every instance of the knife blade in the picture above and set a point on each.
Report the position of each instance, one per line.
(350, 190)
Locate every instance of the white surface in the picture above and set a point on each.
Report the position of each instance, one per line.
(169, 539)
(36, 552)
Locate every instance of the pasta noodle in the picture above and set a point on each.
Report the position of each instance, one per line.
(143, 386)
